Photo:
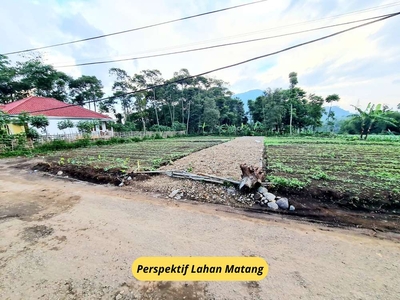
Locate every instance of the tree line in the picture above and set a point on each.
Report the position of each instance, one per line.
(200, 104)
(196, 105)
(282, 110)
(32, 77)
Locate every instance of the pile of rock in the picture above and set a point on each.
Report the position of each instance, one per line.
(211, 193)
(265, 198)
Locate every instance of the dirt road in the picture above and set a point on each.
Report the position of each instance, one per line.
(72, 240)
(224, 159)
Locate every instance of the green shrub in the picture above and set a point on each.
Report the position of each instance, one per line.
(32, 133)
(81, 143)
(282, 182)
(101, 142)
(160, 128)
(158, 136)
(178, 126)
(55, 145)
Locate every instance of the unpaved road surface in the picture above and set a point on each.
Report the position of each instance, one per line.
(71, 240)
(223, 160)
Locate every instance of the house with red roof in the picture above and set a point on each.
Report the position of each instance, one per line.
(55, 111)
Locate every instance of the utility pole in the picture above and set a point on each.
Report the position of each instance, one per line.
(291, 117)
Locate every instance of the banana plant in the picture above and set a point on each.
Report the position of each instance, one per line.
(371, 115)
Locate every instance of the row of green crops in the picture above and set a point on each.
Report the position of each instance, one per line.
(336, 139)
(367, 171)
(147, 155)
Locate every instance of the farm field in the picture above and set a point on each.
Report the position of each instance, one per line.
(145, 155)
(354, 174)
(336, 181)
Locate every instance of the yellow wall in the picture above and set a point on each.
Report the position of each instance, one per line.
(14, 129)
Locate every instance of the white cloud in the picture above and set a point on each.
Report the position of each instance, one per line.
(334, 62)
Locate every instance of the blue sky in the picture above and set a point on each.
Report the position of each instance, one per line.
(361, 66)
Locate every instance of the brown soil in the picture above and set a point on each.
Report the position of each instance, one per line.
(223, 160)
(87, 173)
(76, 240)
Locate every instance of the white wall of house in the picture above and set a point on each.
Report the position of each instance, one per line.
(52, 129)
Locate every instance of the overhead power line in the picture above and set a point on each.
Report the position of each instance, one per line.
(233, 65)
(356, 12)
(137, 28)
(218, 46)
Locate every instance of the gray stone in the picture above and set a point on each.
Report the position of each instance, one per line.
(118, 297)
(231, 191)
(59, 173)
(262, 190)
(129, 178)
(273, 205)
(270, 197)
(283, 203)
(257, 196)
(178, 196)
(121, 184)
(173, 193)
(292, 207)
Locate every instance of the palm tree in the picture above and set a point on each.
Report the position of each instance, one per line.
(331, 115)
(370, 116)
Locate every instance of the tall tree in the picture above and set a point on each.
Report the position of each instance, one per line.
(293, 79)
(123, 89)
(211, 114)
(39, 79)
(153, 78)
(9, 87)
(86, 89)
(182, 82)
(315, 111)
(281, 108)
(170, 94)
(331, 115)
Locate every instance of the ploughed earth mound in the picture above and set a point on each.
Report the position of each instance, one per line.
(306, 208)
(87, 173)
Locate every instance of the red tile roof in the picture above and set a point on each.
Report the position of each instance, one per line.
(50, 107)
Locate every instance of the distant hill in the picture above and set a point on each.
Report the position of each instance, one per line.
(340, 113)
(250, 95)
